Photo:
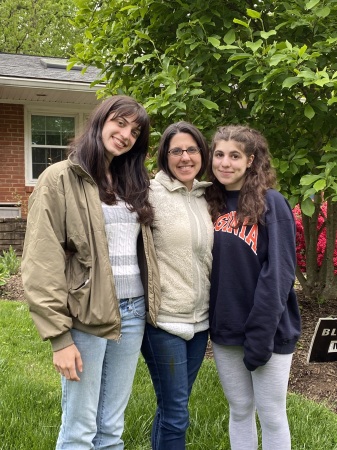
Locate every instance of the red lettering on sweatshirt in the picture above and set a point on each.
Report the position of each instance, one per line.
(227, 224)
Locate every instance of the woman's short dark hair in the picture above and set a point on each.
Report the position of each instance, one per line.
(164, 144)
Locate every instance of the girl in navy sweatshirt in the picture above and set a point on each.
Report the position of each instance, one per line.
(254, 315)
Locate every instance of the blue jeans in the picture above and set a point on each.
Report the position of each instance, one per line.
(173, 364)
(93, 408)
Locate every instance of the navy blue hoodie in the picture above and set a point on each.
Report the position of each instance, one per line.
(253, 303)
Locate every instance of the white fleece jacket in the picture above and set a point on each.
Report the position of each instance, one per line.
(183, 239)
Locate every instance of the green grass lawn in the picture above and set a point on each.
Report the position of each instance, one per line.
(30, 399)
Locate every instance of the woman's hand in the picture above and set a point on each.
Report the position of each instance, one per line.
(67, 362)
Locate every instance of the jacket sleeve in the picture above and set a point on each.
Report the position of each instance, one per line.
(44, 261)
(276, 279)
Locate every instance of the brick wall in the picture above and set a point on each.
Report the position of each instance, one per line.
(12, 232)
(12, 156)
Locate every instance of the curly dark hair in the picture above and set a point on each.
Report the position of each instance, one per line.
(129, 177)
(259, 177)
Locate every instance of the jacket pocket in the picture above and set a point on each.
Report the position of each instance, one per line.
(79, 288)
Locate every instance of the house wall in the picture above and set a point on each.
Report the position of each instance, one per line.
(12, 233)
(12, 156)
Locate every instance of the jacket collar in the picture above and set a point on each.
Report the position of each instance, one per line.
(78, 169)
(198, 188)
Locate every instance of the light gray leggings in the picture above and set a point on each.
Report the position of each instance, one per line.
(264, 390)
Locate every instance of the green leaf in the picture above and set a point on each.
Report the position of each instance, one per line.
(306, 180)
(275, 162)
(209, 104)
(171, 90)
(309, 112)
(240, 22)
(288, 45)
(301, 161)
(332, 100)
(290, 81)
(266, 35)
(142, 35)
(331, 40)
(214, 41)
(180, 105)
(217, 56)
(329, 167)
(308, 207)
(224, 87)
(229, 37)
(323, 12)
(231, 47)
(88, 34)
(254, 45)
(239, 56)
(144, 58)
(309, 193)
(320, 185)
(284, 166)
(301, 152)
(293, 200)
(302, 50)
(254, 14)
(293, 168)
(71, 65)
(275, 59)
(196, 92)
(311, 4)
(322, 82)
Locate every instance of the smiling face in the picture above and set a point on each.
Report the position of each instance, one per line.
(119, 135)
(185, 167)
(229, 164)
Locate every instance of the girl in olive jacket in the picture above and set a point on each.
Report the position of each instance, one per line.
(89, 268)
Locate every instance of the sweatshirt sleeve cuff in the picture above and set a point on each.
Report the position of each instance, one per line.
(249, 366)
(62, 341)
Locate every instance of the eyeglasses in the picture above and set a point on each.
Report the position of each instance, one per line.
(179, 151)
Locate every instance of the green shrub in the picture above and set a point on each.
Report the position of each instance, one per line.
(10, 261)
(4, 274)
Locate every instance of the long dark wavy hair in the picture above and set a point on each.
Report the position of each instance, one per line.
(164, 144)
(259, 177)
(129, 177)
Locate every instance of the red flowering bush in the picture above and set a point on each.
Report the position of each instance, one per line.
(321, 242)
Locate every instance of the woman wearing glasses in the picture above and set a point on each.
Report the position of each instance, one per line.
(174, 346)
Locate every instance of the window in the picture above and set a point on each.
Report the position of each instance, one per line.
(48, 131)
(50, 136)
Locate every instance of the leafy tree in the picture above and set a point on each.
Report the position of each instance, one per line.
(266, 63)
(39, 27)
(286, 58)
(164, 53)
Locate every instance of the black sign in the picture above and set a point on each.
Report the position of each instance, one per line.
(323, 347)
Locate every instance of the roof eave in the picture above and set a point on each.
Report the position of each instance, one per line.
(34, 83)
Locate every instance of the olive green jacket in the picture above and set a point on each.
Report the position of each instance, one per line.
(66, 271)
